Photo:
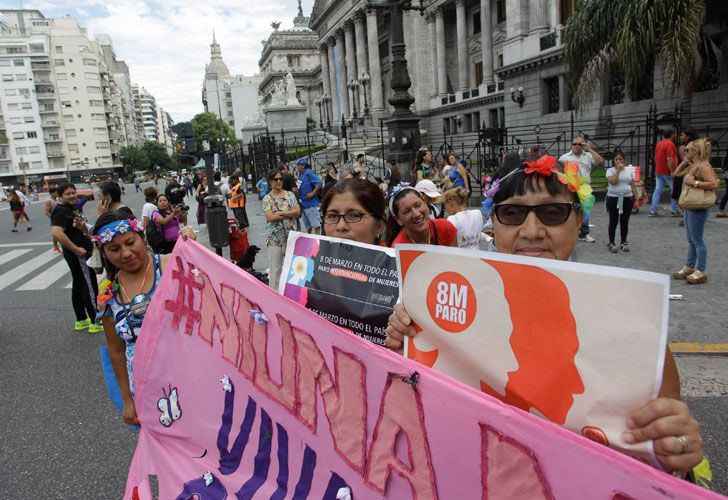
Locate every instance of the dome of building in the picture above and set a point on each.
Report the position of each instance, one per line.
(217, 66)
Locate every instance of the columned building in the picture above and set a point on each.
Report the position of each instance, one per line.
(296, 51)
(496, 63)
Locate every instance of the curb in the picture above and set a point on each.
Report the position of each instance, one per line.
(683, 348)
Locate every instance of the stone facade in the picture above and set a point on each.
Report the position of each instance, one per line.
(464, 57)
(292, 51)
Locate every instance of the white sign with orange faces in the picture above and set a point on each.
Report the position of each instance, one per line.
(578, 344)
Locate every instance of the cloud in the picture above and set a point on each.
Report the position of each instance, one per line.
(167, 43)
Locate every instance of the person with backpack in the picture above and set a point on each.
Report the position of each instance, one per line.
(166, 220)
(308, 194)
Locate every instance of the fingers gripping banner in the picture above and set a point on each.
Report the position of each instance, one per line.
(244, 393)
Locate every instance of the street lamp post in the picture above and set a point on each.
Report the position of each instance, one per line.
(326, 99)
(319, 103)
(354, 89)
(364, 80)
(404, 125)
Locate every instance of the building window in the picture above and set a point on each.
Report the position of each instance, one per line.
(11, 92)
(615, 88)
(646, 87)
(32, 134)
(59, 49)
(16, 50)
(446, 126)
(21, 150)
(476, 23)
(27, 105)
(500, 11)
(551, 88)
(293, 60)
(21, 78)
(468, 122)
(61, 76)
(493, 118)
(70, 132)
(18, 135)
(24, 92)
(7, 78)
(478, 73)
(28, 119)
(476, 120)
(18, 62)
(566, 9)
(59, 62)
(73, 148)
(34, 149)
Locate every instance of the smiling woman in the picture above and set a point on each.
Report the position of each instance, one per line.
(409, 220)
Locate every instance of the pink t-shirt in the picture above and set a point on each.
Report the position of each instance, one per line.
(170, 230)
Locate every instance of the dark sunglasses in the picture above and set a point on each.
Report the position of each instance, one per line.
(550, 214)
(277, 179)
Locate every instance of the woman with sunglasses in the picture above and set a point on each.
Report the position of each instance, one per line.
(132, 277)
(409, 220)
(538, 210)
(281, 210)
(354, 209)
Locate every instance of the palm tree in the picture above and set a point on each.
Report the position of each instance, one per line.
(630, 35)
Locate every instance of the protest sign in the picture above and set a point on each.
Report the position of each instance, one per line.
(244, 393)
(578, 344)
(353, 285)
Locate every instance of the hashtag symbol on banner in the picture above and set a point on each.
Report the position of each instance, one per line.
(183, 306)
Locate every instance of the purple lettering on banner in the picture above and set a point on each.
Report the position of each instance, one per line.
(304, 482)
(261, 463)
(230, 459)
(198, 490)
(282, 479)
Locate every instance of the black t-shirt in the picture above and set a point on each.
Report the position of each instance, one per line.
(63, 217)
(175, 194)
(126, 211)
(289, 181)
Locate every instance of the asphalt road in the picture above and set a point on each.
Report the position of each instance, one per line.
(62, 438)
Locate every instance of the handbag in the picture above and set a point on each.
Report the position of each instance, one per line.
(692, 198)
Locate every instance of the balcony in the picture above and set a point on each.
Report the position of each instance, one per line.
(45, 95)
(53, 138)
(55, 153)
(47, 109)
(50, 124)
(40, 66)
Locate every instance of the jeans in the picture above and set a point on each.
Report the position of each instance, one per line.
(697, 249)
(584, 229)
(661, 181)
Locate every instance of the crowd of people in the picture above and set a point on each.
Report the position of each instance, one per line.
(535, 207)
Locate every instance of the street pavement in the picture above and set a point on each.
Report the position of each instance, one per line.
(62, 438)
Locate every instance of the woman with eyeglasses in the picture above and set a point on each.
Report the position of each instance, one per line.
(132, 277)
(281, 210)
(354, 209)
(409, 220)
(537, 210)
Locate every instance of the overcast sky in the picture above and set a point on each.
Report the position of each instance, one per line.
(166, 43)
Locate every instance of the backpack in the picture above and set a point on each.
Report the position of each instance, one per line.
(155, 238)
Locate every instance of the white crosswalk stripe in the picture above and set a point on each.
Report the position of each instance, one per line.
(13, 254)
(47, 278)
(26, 268)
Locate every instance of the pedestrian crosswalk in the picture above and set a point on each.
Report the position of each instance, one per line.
(32, 267)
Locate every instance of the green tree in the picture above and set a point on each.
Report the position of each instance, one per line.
(212, 126)
(133, 159)
(629, 36)
(157, 154)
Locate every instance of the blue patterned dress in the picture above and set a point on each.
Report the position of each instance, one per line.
(127, 322)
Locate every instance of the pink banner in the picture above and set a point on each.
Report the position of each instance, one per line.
(243, 393)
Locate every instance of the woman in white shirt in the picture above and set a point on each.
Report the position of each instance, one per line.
(150, 198)
(620, 201)
(469, 223)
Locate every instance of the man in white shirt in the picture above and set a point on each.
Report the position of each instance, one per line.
(587, 159)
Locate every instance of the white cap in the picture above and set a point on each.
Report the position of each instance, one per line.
(428, 188)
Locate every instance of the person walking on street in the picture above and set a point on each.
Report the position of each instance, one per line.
(69, 229)
(308, 194)
(620, 201)
(665, 164)
(698, 173)
(17, 207)
(237, 201)
(137, 184)
(201, 191)
(168, 219)
(174, 192)
(150, 205)
(281, 210)
(262, 187)
(588, 159)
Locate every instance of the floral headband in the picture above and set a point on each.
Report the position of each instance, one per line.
(112, 229)
(545, 166)
(402, 186)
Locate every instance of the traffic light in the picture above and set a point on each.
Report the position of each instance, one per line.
(189, 146)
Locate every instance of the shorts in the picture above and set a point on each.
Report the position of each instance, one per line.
(311, 218)
(18, 213)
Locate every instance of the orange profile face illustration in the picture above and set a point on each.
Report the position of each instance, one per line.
(523, 342)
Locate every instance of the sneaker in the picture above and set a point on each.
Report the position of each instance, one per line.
(612, 248)
(95, 328)
(683, 273)
(655, 214)
(677, 214)
(625, 247)
(82, 325)
(721, 215)
(587, 238)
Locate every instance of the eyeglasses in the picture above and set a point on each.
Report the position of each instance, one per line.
(332, 218)
(550, 214)
(578, 144)
(277, 179)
